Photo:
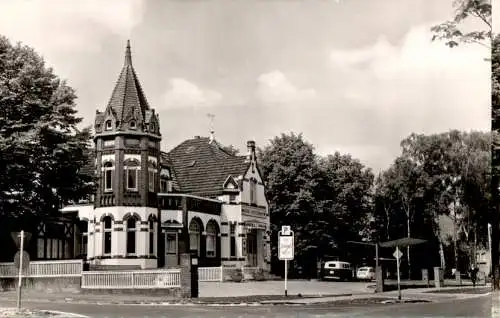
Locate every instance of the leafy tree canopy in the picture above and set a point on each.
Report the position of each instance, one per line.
(454, 32)
(41, 148)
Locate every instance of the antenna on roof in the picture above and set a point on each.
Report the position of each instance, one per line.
(212, 137)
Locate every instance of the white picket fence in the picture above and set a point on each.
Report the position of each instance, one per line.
(216, 274)
(59, 268)
(158, 278)
(139, 279)
(210, 274)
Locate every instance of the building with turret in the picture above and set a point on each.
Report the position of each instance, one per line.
(150, 206)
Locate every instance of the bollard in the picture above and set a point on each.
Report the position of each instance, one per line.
(438, 277)
(458, 277)
(425, 276)
(379, 278)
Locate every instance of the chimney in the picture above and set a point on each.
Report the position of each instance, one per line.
(250, 149)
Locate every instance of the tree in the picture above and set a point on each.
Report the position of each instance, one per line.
(454, 169)
(384, 208)
(290, 169)
(451, 31)
(41, 149)
(347, 195)
(404, 179)
(232, 150)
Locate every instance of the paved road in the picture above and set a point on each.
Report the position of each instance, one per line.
(476, 307)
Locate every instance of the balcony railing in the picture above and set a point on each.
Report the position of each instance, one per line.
(108, 199)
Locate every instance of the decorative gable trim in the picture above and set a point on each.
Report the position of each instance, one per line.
(230, 184)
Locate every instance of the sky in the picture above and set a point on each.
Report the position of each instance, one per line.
(354, 76)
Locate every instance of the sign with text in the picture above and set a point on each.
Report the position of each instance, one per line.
(285, 230)
(254, 212)
(286, 248)
(286, 244)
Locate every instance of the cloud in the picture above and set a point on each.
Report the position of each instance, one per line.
(495, 4)
(421, 83)
(183, 93)
(58, 26)
(274, 87)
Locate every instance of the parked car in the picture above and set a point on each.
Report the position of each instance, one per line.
(366, 273)
(337, 270)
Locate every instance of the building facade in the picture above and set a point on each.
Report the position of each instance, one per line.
(150, 205)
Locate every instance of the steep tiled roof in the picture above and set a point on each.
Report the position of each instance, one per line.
(202, 167)
(128, 100)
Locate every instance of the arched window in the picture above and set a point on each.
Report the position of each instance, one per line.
(133, 124)
(131, 174)
(108, 176)
(131, 235)
(152, 175)
(211, 239)
(151, 236)
(194, 236)
(152, 127)
(107, 221)
(108, 125)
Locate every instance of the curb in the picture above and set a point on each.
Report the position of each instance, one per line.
(43, 312)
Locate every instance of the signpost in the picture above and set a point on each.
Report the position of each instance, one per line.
(286, 249)
(398, 254)
(20, 256)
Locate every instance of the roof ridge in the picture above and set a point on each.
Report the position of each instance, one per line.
(125, 84)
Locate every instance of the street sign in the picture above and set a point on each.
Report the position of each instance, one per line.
(285, 230)
(26, 260)
(286, 248)
(397, 254)
(16, 236)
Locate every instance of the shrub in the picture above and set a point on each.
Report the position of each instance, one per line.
(259, 274)
(237, 275)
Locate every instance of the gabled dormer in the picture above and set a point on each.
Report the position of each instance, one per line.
(230, 185)
(152, 122)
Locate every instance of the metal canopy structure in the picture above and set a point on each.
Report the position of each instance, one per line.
(402, 242)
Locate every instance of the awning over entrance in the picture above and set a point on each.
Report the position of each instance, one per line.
(402, 242)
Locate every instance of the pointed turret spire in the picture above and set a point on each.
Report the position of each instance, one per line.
(128, 101)
(128, 54)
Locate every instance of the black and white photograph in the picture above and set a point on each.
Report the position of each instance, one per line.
(249, 158)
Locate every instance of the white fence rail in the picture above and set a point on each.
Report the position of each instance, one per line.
(210, 274)
(132, 279)
(59, 268)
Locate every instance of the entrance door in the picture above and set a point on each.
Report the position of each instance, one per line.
(171, 249)
(252, 248)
